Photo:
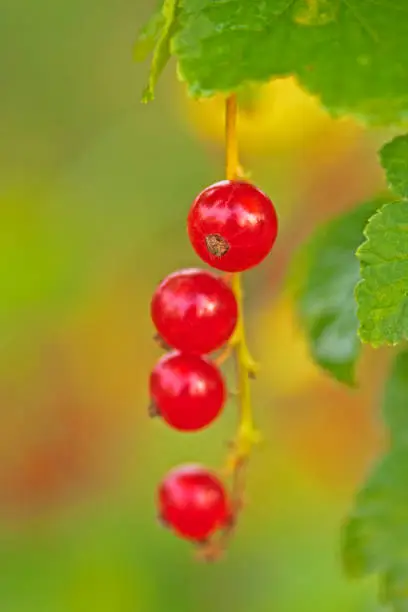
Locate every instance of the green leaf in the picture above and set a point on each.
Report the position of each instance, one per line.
(147, 37)
(395, 404)
(382, 294)
(394, 159)
(375, 536)
(161, 53)
(349, 53)
(325, 292)
(395, 586)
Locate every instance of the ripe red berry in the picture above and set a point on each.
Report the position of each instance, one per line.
(194, 311)
(187, 390)
(232, 225)
(193, 502)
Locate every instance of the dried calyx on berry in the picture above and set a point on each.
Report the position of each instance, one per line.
(217, 245)
(153, 410)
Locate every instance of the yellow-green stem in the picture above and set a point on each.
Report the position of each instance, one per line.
(246, 435)
(246, 368)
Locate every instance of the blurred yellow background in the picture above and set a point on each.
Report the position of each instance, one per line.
(94, 191)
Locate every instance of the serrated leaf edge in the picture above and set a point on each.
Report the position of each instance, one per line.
(364, 337)
(382, 152)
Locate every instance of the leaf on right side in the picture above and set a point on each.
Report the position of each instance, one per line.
(395, 402)
(375, 536)
(382, 294)
(324, 286)
(394, 160)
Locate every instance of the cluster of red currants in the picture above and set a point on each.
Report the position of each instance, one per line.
(232, 226)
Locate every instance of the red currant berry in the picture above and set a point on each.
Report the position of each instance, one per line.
(188, 391)
(193, 502)
(194, 311)
(232, 226)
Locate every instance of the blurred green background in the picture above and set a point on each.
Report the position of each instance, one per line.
(94, 190)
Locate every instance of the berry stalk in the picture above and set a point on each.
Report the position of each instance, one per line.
(231, 139)
(247, 435)
(232, 226)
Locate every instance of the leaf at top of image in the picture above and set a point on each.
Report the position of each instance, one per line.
(148, 35)
(348, 53)
(156, 36)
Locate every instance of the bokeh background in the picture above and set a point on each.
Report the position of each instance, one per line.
(94, 190)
